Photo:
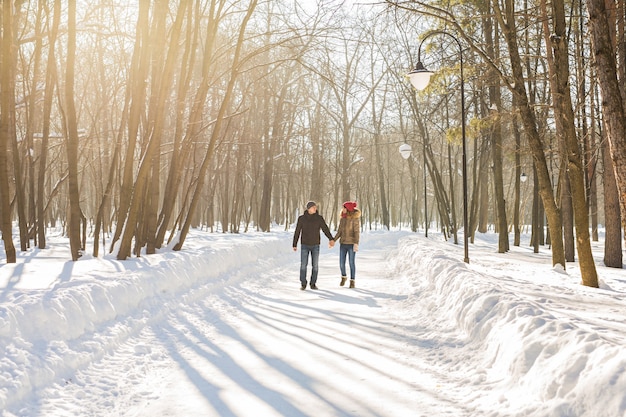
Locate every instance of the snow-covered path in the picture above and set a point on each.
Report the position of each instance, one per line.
(222, 329)
(260, 346)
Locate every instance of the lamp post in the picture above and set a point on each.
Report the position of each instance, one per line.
(420, 77)
(406, 151)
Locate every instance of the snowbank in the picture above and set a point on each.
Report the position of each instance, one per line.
(547, 345)
(53, 328)
(508, 333)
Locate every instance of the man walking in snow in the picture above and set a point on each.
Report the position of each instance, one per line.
(309, 225)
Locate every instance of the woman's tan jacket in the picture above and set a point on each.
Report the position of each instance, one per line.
(349, 227)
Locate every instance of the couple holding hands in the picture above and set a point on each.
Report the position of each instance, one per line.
(308, 230)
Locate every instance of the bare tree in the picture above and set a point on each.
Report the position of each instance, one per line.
(495, 98)
(51, 80)
(72, 136)
(224, 105)
(7, 100)
(136, 85)
(604, 47)
(344, 82)
(180, 148)
(574, 172)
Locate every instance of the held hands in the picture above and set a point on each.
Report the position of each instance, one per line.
(356, 247)
(331, 243)
(295, 248)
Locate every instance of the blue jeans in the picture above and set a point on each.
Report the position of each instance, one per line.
(347, 249)
(314, 250)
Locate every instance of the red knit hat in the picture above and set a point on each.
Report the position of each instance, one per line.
(350, 205)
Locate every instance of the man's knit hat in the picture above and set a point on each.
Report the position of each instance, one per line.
(310, 204)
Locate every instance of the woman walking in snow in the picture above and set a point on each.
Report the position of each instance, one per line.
(349, 232)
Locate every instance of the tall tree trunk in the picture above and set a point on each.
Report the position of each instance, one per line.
(611, 87)
(317, 168)
(537, 222)
(564, 189)
(18, 173)
(452, 208)
(137, 87)
(441, 198)
(107, 156)
(518, 174)
(443, 204)
(9, 66)
(72, 135)
(273, 139)
(590, 159)
(498, 178)
(267, 184)
(495, 100)
(380, 175)
(239, 185)
(528, 120)
(51, 79)
(224, 172)
(483, 213)
(413, 194)
(346, 162)
(33, 116)
(318, 129)
(180, 149)
(6, 92)
(612, 218)
(479, 162)
(158, 113)
(377, 121)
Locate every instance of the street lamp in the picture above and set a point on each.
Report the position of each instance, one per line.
(405, 151)
(420, 77)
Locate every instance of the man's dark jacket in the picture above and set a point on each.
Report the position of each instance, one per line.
(310, 225)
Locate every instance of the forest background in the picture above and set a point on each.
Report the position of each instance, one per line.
(129, 123)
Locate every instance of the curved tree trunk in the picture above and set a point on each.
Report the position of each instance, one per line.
(528, 120)
(575, 170)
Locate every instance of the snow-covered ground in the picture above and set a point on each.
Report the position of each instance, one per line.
(222, 329)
